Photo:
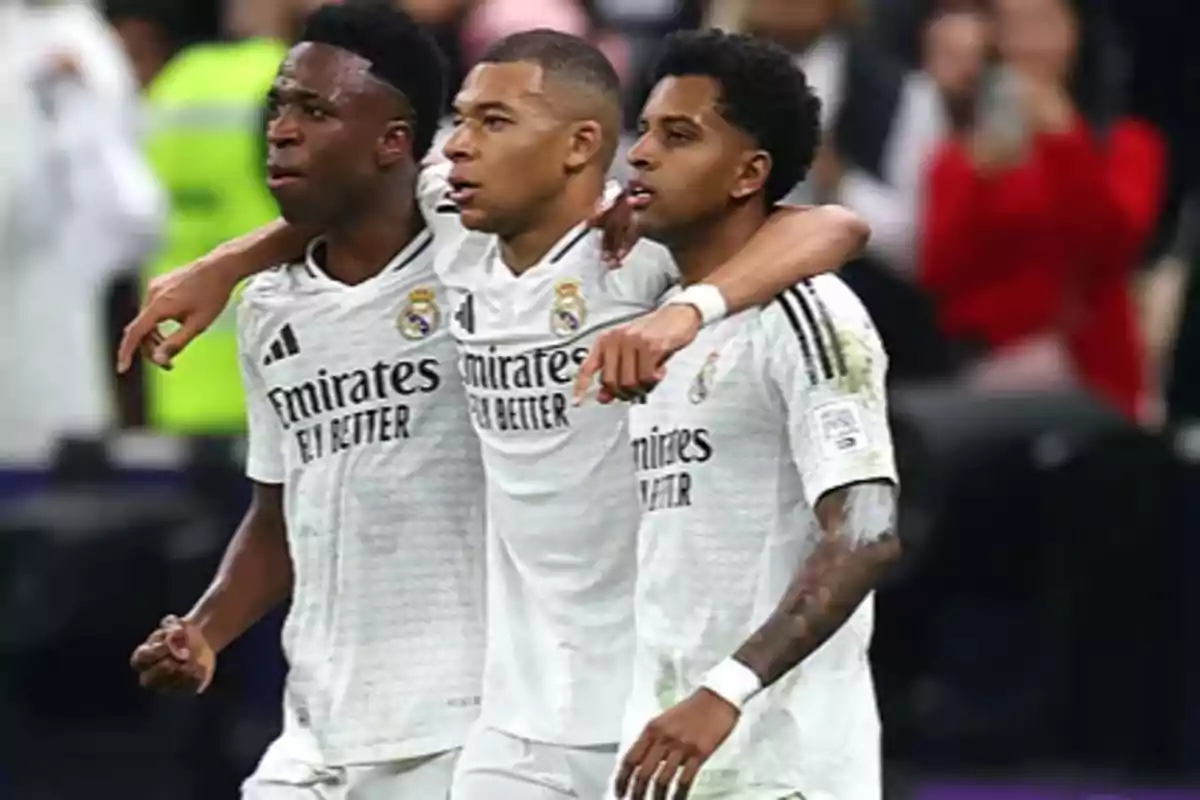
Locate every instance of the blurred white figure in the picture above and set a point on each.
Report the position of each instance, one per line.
(79, 206)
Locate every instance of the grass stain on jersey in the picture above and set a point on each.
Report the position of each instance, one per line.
(860, 361)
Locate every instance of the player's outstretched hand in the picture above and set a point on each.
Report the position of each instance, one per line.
(193, 296)
(175, 658)
(620, 232)
(630, 359)
(674, 746)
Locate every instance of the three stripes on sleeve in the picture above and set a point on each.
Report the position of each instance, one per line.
(809, 317)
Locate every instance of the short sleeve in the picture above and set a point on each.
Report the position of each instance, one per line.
(645, 276)
(265, 442)
(825, 359)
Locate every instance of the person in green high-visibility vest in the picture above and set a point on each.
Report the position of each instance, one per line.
(205, 142)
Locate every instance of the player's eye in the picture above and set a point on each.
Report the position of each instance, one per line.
(676, 136)
(493, 122)
(316, 112)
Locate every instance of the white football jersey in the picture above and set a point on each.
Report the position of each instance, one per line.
(356, 407)
(562, 510)
(757, 419)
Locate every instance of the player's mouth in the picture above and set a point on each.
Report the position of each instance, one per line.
(282, 176)
(461, 192)
(639, 195)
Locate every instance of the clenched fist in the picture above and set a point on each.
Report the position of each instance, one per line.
(175, 658)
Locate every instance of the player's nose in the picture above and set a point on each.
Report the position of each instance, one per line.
(640, 155)
(458, 145)
(282, 131)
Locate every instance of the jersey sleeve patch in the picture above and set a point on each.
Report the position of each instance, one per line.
(839, 428)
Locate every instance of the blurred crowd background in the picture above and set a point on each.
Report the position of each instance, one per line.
(1030, 171)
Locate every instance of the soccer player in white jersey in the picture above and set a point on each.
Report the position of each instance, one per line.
(368, 486)
(536, 132)
(764, 466)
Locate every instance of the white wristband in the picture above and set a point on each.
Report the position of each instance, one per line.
(733, 681)
(705, 298)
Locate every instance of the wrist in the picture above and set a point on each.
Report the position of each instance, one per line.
(733, 681)
(706, 298)
(207, 630)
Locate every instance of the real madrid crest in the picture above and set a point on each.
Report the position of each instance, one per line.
(421, 316)
(569, 311)
(702, 383)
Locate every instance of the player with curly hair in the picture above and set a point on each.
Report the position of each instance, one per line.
(764, 466)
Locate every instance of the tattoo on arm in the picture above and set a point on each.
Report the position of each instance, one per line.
(858, 542)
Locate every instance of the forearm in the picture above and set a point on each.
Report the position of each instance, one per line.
(255, 575)
(793, 244)
(857, 546)
(277, 242)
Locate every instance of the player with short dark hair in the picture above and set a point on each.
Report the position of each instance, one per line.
(536, 126)
(764, 465)
(367, 480)
(532, 94)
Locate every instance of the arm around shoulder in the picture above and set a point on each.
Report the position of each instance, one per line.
(796, 242)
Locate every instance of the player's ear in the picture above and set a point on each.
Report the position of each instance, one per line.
(395, 145)
(753, 170)
(587, 140)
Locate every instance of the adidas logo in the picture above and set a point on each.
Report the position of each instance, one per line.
(282, 346)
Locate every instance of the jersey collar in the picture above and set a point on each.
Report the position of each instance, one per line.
(419, 245)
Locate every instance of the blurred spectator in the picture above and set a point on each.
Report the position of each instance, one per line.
(206, 144)
(490, 20)
(955, 45)
(725, 16)
(18, 109)
(85, 208)
(642, 24)
(150, 32)
(443, 19)
(280, 20)
(1037, 214)
(880, 123)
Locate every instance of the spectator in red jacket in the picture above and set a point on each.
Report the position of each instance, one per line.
(1036, 215)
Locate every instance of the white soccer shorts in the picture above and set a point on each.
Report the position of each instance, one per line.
(496, 765)
(421, 778)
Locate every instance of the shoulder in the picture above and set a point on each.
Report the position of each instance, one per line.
(646, 273)
(823, 322)
(268, 293)
(278, 281)
(821, 297)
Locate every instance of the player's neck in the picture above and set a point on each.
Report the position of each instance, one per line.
(359, 247)
(524, 249)
(702, 250)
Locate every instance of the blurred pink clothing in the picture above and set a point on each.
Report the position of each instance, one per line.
(491, 20)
